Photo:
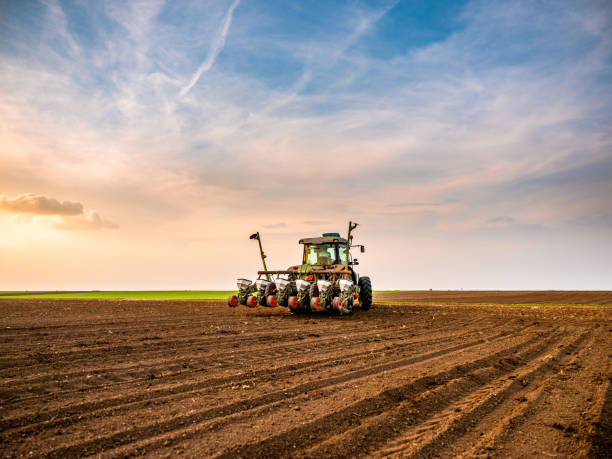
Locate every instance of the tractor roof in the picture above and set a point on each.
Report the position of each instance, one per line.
(322, 240)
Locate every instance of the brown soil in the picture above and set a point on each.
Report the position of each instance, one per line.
(163, 378)
(41, 292)
(500, 297)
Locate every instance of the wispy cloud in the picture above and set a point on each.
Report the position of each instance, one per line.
(58, 18)
(316, 222)
(275, 225)
(214, 51)
(89, 220)
(322, 57)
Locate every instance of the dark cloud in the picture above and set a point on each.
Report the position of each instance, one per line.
(71, 214)
(41, 205)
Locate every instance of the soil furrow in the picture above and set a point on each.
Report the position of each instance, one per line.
(126, 436)
(533, 377)
(236, 359)
(280, 342)
(453, 417)
(67, 415)
(169, 378)
(332, 424)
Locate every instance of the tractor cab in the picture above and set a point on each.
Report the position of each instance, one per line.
(324, 252)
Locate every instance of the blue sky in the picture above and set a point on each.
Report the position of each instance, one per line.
(470, 139)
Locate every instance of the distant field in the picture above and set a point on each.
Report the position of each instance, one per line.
(137, 295)
(396, 297)
(127, 295)
(516, 297)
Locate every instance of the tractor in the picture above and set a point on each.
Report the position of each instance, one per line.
(325, 281)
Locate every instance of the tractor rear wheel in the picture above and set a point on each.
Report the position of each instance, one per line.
(365, 293)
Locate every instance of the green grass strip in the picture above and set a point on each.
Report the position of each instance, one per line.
(135, 295)
(144, 295)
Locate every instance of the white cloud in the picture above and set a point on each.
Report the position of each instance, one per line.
(90, 220)
(214, 51)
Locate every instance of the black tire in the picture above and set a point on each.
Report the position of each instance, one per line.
(365, 293)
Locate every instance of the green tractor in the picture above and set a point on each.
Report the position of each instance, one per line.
(325, 281)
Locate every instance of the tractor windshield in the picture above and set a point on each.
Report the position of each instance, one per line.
(342, 253)
(325, 254)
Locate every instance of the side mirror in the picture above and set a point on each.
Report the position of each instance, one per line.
(362, 249)
(355, 261)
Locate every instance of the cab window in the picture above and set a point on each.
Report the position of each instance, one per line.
(321, 254)
(342, 253)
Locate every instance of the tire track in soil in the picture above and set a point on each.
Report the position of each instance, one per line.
(602, 438)
(267, 447)
(420, 423)
(283, 349)
(287, 351)
(516, 386)
(164, 322)
(68, 415)
(298, 438)
(165, 441)
(74, 356)
(502, 422)
(226, 343)
(130, 351)
(83, 330)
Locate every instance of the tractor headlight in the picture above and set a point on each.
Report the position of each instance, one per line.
(323, 285)
(281, 284)
(243, 283)
(302, 284)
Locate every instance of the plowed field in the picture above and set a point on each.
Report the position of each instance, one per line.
(168, 378)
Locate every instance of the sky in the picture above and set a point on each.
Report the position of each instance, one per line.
(142, 142)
